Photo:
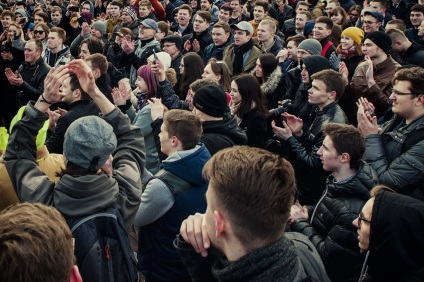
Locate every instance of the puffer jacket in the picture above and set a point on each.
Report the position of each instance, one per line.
(400, 171)
(378, 94)
(303, 157)
(33, 85)
(62, 57)
(330, 227)
(396, 240)
(78, 195)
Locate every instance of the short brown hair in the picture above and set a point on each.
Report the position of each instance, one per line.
(94, 45)
(186, 7)
(38, 44)
(98, 61)
(308, 14)
(256, 190)
(185, 126)
(400, 24)
(56, 9)
(117, 3)
(334, 81)
(6, 13)
(204, 15)
(36, 244)
(202, 82)
(414, 75)
(418, 8)
(145, 3)
(346, 139)
(42, 15)
(296, 39)
(164, 27)
(301, 3)
(263, 4)
(326, 20)
(60, 32)
(225, 26)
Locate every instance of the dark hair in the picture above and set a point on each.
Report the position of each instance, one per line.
(193, 69)
(98, 61)
(326, 20)
(250, 92)
(334, 81)
(346, 139)
(226, 8)
(185, 126)
(384, 3)
(301, 3)
(340, 11)
(355, 8)
(204, 15)
(221, 68)
(201, 83)
(42, 15)
(418, 8)
(263, 4)
(296, 39)
(36, 244)
(186, 7)
(268, 63)
(336, 35)
(164, 27)
(94, 45)
(414, 75)
(6, 13)
(74, 84)
(117, 3)
(225, 26)
(255, 189)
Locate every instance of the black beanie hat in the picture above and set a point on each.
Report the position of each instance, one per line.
(380, 39)
(316, 63)
(211, 100)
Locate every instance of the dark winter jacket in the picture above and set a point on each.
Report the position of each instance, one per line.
(402, 171)
(303, 153)
(33, 77)
(204, 39)
(396, 239)
(412, 34)
(273, 88)
(217, 52)
(330, 226)
(74, 195)
(414, 55)
(255, 125)
(276, 47)
(77, 110)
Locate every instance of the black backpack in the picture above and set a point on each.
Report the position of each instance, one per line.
(102, 247)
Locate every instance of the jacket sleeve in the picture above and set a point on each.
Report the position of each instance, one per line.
(32, 92)
(159, 10)
(156, 124)
(30, 183)
(76, 42)
(55, 142)
(128, 164)
(378, 98)
(305, 158)
(340, 240)
(169, 98)
(256, 133)
(406, 169)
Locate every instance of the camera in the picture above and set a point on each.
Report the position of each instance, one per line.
(286, 106)
(73, 9)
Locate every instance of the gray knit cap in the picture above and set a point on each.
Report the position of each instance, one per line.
(311, 45)
(88, 142)
(101, 26)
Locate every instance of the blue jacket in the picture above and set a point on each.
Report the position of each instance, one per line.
(158, 259)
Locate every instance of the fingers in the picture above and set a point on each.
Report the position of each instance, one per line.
(191, 230)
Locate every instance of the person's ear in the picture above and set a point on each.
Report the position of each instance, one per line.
(333, 95)
(175, 141)
(345, 158)
(219, 223)
(75, 275)
(420, 100)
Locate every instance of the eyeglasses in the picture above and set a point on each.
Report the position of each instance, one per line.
(38, 31)
(168, 45)
(362, 218)
(397, 93)
(369, 22)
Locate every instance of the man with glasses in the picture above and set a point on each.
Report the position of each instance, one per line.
(395, 149)
(372, 21)
(372, 77)
(395, 248)
(173, 44)
(328, 223)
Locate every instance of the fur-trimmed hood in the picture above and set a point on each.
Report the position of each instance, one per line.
(272, 82)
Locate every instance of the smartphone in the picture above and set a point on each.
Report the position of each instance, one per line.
(74, 9)
(154, 56)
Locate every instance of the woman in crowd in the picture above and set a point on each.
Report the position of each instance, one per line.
(340, 18)
(116, 55)
(191, 69)
(248, 104)
(354, 13)
(218, 71)
(41, 32)
(269, 75)
(349, 49)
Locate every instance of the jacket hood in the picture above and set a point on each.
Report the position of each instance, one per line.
(358, 186)
(228, 127)
(82, 195)
(273, 80)
(396, 237)
(189, 168)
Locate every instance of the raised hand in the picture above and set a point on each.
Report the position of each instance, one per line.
(84, 74)
(343, 70)
(127, 44)
(118, 98)
(157, 108)
(368, 106)
(367, 123)
(369, 75)
(193, 230)
(282, 133)
(335, 61)
(294, 123)
(85, 29)
(196, 45)
(187, 45)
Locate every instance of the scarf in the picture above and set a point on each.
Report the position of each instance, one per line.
(198, 36)
(348, 53)
(278, 259)
(141, 100)
(238, 59)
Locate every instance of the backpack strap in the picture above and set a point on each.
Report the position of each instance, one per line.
(326, 47)
(413, 138)
(87, 218)
(175, 184)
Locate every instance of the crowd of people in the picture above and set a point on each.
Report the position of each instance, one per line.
(202, 140)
